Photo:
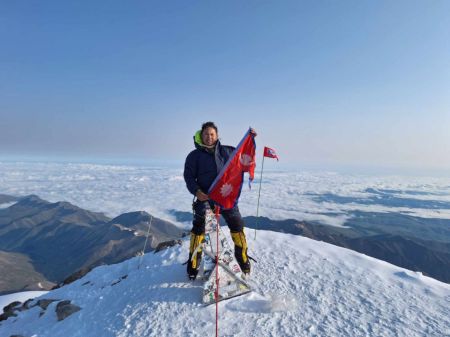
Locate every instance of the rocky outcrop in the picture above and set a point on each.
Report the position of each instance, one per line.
(10, 310)
(45, 303)
(75, 276)
(167, 244)
(63, 309)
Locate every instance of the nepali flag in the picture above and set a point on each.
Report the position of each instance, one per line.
(226, 188)
(268, 152)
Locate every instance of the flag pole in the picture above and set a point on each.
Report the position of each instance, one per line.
(259, 195)
(146, 239)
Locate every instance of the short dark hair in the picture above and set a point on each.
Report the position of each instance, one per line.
(209, 125)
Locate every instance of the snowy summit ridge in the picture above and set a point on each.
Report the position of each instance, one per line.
(302, 288)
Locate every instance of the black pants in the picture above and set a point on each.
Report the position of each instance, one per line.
(232, 217)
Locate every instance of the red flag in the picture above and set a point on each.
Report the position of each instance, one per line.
(268, 152)
(226, 188)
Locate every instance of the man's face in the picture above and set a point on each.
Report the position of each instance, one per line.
(209, 136)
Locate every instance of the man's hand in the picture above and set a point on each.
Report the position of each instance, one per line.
(201, 196)
(253, 132)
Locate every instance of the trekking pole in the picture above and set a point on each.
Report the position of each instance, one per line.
(146, 239)
(259, 195)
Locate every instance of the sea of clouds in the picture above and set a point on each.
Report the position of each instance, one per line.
(157, 189)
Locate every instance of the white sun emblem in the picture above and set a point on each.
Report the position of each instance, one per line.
(245, 159)
(225, 190)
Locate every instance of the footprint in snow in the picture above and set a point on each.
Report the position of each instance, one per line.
(262, 304)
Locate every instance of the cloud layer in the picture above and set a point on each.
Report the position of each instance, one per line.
(325, 197)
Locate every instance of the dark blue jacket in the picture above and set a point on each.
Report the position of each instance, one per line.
(202, 166)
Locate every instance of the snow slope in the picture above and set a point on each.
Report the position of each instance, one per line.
(302, 288)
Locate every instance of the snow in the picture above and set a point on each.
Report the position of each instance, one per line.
(6, 204)
(302, 288)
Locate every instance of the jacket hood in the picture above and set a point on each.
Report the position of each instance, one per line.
(198, 138)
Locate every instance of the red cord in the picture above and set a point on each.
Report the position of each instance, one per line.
(217, 270)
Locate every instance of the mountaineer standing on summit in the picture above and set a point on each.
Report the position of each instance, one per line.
(201, 168)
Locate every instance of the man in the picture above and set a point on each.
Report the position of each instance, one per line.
(201, 168)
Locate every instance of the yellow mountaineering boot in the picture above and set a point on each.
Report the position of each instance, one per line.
(194, 262)
(240, 250)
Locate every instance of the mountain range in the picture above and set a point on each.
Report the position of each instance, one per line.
(42, 243)
(418, 244)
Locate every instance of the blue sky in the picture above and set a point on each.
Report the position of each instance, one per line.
(325, 83)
